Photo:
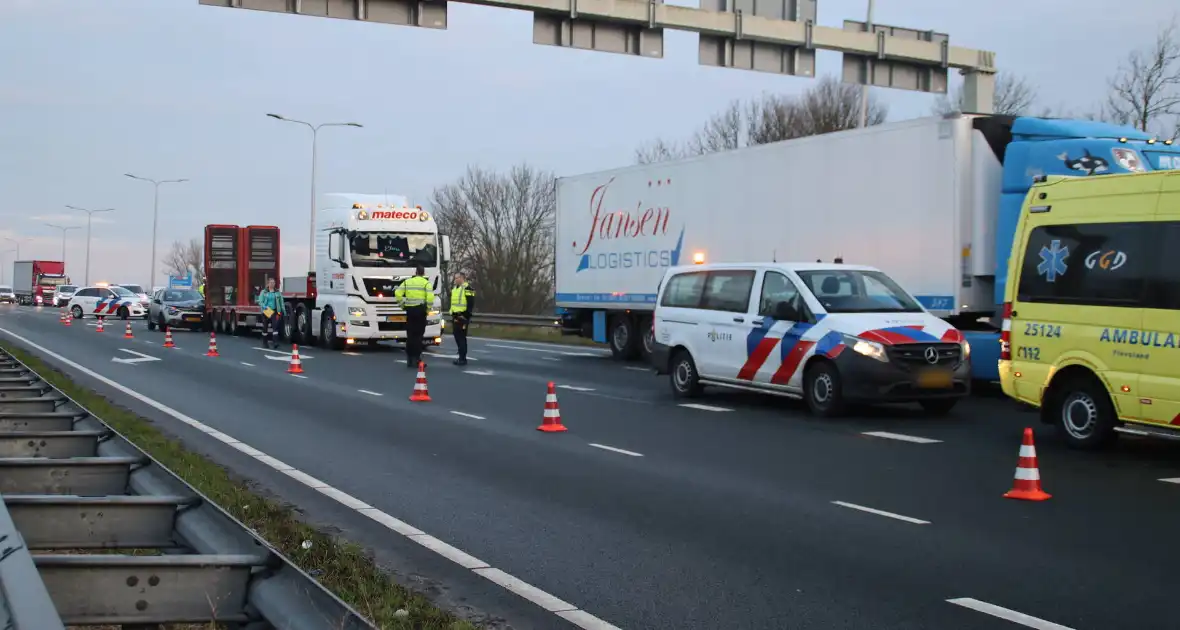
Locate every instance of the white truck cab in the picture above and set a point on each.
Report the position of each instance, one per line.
(365, 246)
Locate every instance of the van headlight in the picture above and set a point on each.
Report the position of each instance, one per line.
(354, 311)
(870, 349)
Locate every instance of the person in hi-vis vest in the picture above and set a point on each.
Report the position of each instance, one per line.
(414, 296)
(462, 306)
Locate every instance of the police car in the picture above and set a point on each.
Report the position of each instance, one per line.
(105, 301)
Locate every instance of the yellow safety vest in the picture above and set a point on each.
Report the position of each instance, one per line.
(414, 292)
(459, 297)
(202, 290)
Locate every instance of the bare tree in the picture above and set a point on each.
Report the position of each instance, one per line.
(827, 106)
(502, 229)
(1014, 96)
(182, 255)
(1146, 91)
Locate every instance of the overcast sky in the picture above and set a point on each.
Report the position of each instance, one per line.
(92, 89)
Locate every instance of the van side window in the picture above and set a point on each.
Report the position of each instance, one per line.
(684, 290)
(776, 288)
(1097, 264)
(1164, 276)
(729, 290)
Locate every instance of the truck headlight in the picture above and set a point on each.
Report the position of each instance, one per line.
(966, 350)
(356, 312)
(870, 349)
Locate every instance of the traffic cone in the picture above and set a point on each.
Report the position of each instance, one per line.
(552, 422)
(168, 338)
(212, 345)
(127, 334)
(100, 327)
(1027, 486)
(63, 317)
(421, 393)
(296, 366)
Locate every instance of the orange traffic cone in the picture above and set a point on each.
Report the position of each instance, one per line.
(68, 318)
(127, 334)
(420, 394)
(63, 317)
(296, 366)
(1027, 486)
(168, 338)
(100, 327)
(552, 422)
(212, 345)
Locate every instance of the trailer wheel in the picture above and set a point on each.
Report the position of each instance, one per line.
(234, 331)
(623, 342)
(302, 326)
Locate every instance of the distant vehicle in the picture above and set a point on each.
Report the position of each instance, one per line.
(175, 308)
(106, 301)
(63, 293)
(139, 292)
(6, 295)
(1092, 311)
(33, 281)
(828, 333)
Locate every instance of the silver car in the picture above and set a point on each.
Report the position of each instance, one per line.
(63, 293)
(139, 293)
(7, 295)
(176, 308)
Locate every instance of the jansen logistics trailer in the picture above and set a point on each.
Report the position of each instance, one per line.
(34, 281)
(933, 202)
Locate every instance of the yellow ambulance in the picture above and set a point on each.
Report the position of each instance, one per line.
(1091, 317)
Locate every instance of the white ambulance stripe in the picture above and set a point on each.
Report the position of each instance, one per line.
(1028, 474)
(1028, 451)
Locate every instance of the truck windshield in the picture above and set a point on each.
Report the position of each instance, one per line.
(857, 291)
(52, 281)
(393, 249)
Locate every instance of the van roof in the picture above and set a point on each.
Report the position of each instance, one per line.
(784, 266)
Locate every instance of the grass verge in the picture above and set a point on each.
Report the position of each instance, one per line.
(343, 567)
(526, 333)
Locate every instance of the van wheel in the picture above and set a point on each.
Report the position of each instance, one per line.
(938, 406)
(647, 337)
(683, 376)
(622, 338)
(823, 390)
(1082, 409)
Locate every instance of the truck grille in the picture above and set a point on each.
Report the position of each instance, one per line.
(914, 355)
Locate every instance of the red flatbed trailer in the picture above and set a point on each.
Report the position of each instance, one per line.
(238, 262)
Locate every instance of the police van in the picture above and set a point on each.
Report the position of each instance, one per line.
(1092, 309)
(831, 334)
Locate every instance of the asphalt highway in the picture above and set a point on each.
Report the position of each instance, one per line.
(741, 512)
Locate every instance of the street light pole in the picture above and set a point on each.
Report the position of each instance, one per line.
(864, 89)
(64, 229)
(314, 140)
(155, 219)
(89, 216)
(18, 242)
(4, 253)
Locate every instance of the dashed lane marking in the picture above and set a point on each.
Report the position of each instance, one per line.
(616, 450)
(704, 407)
(298, 376)
(901, 437)
(352, 354)
(468, 415)
(576, 388)
(479, 372)
(637, 368)
(561, 352)
(908, 519)
(1027, 621)
(365, 391)
(527, 591)
(247, 364)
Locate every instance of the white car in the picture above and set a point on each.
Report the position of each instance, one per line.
(62, 294)
(140, 293)
(110, 301)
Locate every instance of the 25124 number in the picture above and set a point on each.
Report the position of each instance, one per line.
(1042, 330)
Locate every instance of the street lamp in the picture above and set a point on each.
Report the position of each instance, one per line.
(314, 135)
(155, 219)
(4, 253)
(64, 229)
(89, 216)
(18, 242)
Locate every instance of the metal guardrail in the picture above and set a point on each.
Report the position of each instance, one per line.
(503, 319)
(70, 483)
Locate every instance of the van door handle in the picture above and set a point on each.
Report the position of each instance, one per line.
(739, 319)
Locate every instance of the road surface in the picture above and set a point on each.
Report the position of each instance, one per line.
(740, 512)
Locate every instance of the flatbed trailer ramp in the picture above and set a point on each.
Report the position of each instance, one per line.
(95, 531)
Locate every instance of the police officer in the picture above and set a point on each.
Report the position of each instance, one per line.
(462, 306)
(413, 295)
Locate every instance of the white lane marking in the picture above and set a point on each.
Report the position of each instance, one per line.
(141, 357)
(870, 510)
(1171, 480)
(480, 351)
(583, 620)
(479, 372)
(561, 352)
(365, 391)
(704, 407)
(616, 450)
(576, 388)
(285, 355)
(298, 376)
(550, 358)
(468, 415)
(447, 356)
(351, 354)
(901, 437)
(637, 368)
(247, 364)
(1027, 621)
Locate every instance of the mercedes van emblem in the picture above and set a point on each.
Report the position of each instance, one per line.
(932, 355)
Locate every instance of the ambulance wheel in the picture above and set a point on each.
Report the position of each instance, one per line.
(823, 390)
(123, 313)
(76, 312)
(1082, 409)
(682, 372)
(623, 340)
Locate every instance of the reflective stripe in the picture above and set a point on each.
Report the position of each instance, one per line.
(1028, 474)
(414, 291)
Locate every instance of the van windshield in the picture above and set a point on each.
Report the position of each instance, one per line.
(858, 291)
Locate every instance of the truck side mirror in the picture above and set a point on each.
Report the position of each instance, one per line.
(446, 248)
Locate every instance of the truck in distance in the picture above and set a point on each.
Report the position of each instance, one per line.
(34, 281)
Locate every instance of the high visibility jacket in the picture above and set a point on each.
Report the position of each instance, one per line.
(462, 299)
(413, 292)
(202, 290)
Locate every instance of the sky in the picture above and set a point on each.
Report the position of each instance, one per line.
(169, 89)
